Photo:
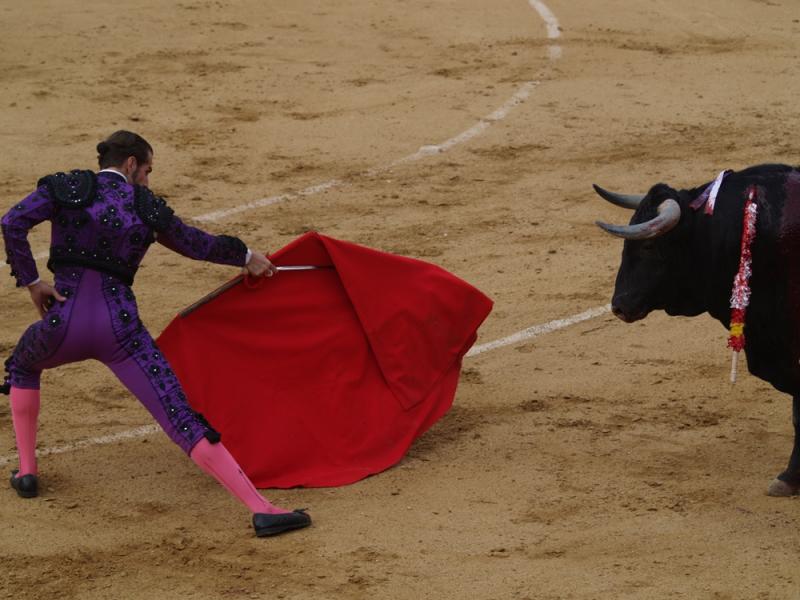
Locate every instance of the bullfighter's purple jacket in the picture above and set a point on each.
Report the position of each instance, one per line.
(102, 227)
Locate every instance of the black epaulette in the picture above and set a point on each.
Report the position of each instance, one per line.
(152, 209)
(75, 189)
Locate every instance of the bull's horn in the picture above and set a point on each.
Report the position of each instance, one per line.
(669, 213)
(624, 200)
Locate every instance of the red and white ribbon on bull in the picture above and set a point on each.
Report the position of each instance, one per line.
(740, 294)
(709, 195)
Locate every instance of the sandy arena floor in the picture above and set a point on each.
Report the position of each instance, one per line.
(602, 460)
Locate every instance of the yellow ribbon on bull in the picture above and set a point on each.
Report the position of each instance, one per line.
(737, 329)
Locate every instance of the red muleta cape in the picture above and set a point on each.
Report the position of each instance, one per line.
(321, 378)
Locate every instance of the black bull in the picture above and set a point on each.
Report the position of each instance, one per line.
(681, 260)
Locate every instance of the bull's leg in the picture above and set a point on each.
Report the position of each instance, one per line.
(788, 482)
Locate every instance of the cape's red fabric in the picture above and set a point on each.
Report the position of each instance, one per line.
(321, 378)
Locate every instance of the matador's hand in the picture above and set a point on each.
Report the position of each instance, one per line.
(260, 266)
(43, 295)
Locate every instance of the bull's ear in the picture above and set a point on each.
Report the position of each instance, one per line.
(631, 201)
(669, 214)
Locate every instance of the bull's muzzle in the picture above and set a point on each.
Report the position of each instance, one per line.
(627, 316)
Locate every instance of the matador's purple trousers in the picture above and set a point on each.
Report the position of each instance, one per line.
(100, 320)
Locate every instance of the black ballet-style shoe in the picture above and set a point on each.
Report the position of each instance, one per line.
(27, 486)
(266, 524)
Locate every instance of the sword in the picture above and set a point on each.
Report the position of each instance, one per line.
(303, 267)
(239, 279)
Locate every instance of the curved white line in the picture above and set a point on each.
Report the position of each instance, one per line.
(554, 53)
(553, 28)
(553, 32)
(501, 113)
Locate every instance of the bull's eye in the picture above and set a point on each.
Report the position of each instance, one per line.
(650, 248)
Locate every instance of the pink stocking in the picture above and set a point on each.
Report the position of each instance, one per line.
(25, 413)
(215, 460)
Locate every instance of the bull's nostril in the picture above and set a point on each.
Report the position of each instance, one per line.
(620, 314)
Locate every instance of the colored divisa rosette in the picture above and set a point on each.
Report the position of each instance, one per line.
(740, 295)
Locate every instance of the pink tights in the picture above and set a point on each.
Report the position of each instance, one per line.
(24, 414)
(215, 460)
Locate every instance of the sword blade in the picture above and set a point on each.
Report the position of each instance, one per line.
(209, 297)
(303, 267)
(237, 280)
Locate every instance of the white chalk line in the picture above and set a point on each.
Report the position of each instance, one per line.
(102, 440)
(554, 53)
(515, 338)
(553, 28)
(537, 330)
(522, 94)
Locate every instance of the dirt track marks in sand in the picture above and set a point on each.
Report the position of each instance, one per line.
(599, 461)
